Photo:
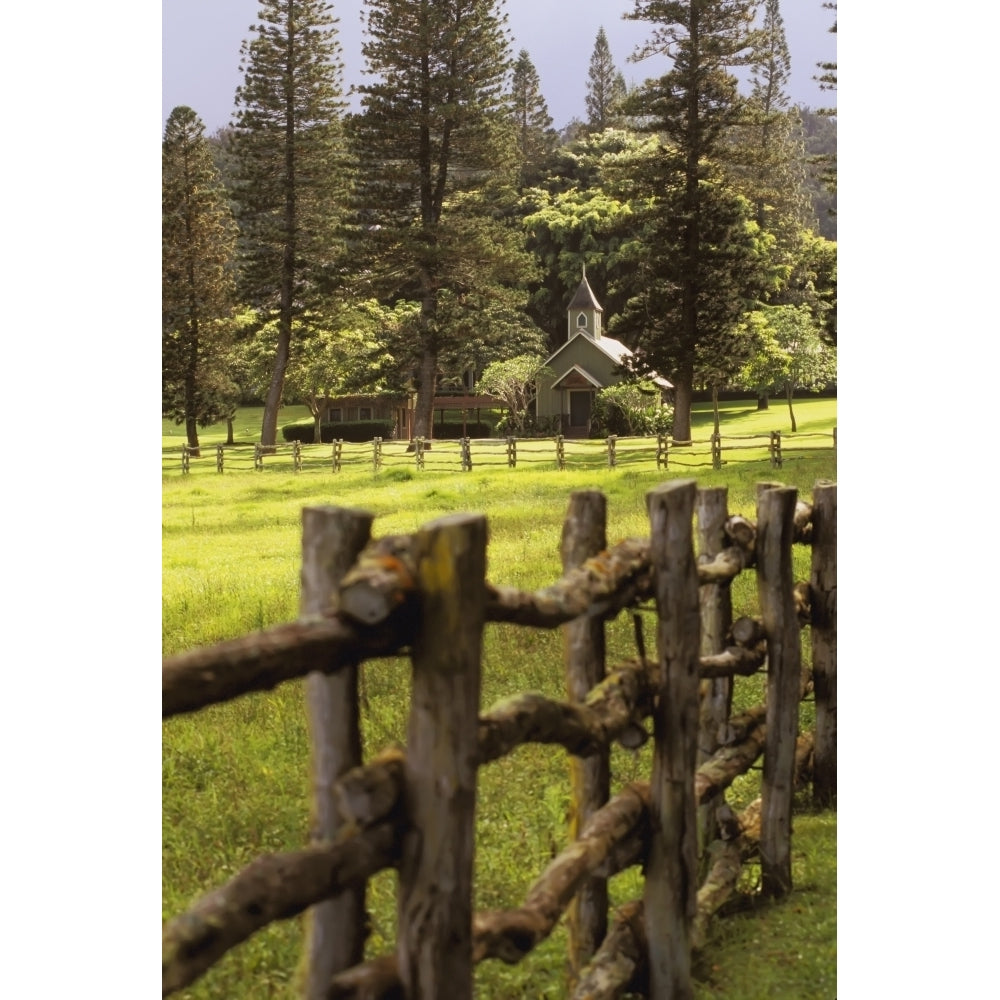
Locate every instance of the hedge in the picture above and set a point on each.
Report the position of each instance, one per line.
(346, 430)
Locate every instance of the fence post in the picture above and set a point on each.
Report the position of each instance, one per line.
(466, 455)
(185, 459)
(377, 453)
(258, 457)
(560, 452)
(612, 439)
(775, 449)
(584, 535)
(672, 866)
(434, 940)
(219, 458)
(332, 538)
(715, 695)
(716, 450)
(418, 451)
(297, 456)
(661, 450)
(338, 445)
(511, 452)
(823, 587)
(775, 583)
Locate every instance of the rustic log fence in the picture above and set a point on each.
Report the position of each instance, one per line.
(464, 453)
(415, 810)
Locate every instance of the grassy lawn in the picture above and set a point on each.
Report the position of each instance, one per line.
(235, 776)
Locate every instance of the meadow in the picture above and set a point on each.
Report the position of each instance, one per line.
(235, 776)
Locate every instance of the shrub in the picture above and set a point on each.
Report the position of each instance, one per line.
(452, 430)
(625, 409)
(352, 430)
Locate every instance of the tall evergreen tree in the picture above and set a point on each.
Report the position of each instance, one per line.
(605, 88)
(692, 106)
(198, 240)
(827, 80)
(768, 152)
(535, 135)
(435, 121)
(291, 187)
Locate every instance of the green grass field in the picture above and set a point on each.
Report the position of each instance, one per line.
(235, 776)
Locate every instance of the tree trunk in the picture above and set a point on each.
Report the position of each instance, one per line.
(229, 431)
(682, 406)
(789, 390)
(423, 410)
(762, 401)
(191, 426)
(272, 403)
(715, 407)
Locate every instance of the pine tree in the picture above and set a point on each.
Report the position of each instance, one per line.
(692, 106)
(435, 122)
(291, 189)
(605, 88)
(198, 237)
(535, 135)
(768, 151)
(827, 80)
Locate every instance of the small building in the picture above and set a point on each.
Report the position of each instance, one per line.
(588, 362)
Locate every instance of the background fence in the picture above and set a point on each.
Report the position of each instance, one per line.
(415, 810)
(465, 454)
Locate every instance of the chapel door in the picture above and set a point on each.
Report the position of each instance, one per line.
(580, 405)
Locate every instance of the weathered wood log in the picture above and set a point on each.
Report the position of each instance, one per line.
(368, 794)
(750, 818)
(716, 687)
(434, 946)
(615, 837)
(727, 763)
(802, 599)
(732, 660)
(332, 539)
(748, 632)
(263, 660)
(802, 527)
(723, 567)
(372, 792)
(619, 965)
(272, 887)
(612, 839)
(382, 583)
(823, 581)
(377, 979)
(602, 586)
(672, 868)
(718, 887)
(743, 533)
(585, 536)
(775, 524)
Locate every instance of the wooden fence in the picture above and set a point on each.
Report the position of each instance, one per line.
(415, 810)
(467, 453)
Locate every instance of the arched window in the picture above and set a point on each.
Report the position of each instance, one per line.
(581, 320)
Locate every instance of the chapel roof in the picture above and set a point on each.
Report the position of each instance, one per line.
(585, 298)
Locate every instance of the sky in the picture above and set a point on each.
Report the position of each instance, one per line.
(201, 46)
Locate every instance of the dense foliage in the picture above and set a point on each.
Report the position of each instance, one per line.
(289, 150)
(444, 226)
(198, 237)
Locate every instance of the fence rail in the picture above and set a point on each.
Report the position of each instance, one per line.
(465, 454)
(415, 810)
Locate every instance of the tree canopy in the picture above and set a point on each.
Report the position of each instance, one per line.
(198, 242)
(291, 170)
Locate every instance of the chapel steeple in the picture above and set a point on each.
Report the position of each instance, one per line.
(583, 314)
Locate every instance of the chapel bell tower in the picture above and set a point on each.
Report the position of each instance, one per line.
(583, 315)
